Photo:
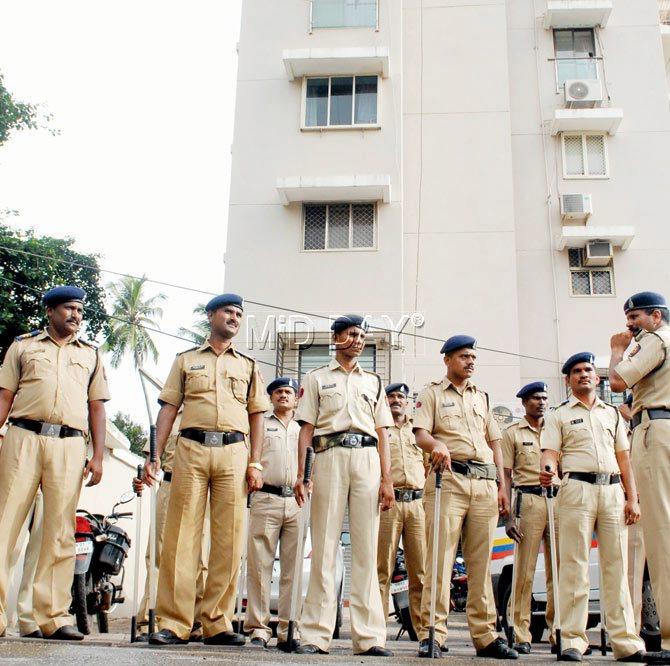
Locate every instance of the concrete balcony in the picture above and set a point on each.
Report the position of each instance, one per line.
(602, 119)
(580, 236)
(577, 13)
(335, 62)
(350, 187)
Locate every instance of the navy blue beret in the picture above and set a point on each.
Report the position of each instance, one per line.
(581, 357)
(223, 300)
(458, 342)
(397, 387)
(529, 389)
(347, 321)
(64, 294)
(282, 381)
(645, 299)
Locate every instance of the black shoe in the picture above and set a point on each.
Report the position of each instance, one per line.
(588, 651)
(638, 657)
(225, 638)
(310, 649)
(258, 642)
(375, 651)
(522, 648)
(444, 647)
(426, 652)
(33, 634)
(166, 637)
(571, 654)
(196, 633)
(661, 657)
(66, 633)
(284, 646)
(498, 650)
(142, 638)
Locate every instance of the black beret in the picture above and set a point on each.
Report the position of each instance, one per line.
(458, 342)
(282, 381)
(645, 299)
(347, 321)
(223, 300)
(581, 357)
(63, 294)
(399, 387)
(533, 387)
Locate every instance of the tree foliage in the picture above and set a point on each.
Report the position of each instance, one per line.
(200, 330)
(136, 434)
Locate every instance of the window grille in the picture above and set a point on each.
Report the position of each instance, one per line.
(339, 226)
(587, 281)
(584, 155)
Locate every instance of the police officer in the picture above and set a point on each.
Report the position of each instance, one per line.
(52, 386)
(344, 415)
(454, 424)
(647, 372)
(406, 518)
(274, 518)
(224, 399)
(521, 458)
(590, 438)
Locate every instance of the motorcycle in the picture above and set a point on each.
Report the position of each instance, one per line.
(100, 551)
(459, 585)
(400, 595)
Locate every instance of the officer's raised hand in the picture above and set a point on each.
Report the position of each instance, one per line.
(620, 341)
(440, 457)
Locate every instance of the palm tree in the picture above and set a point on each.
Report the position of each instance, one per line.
(132, 313)
(200, 331)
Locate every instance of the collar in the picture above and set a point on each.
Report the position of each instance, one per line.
(447, 384)
(271, 415)
(408, 421)
(523, 423)
(574, 401)
(44, 335)
(205, 346)
(334, 365)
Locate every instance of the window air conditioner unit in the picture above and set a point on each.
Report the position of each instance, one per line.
(583, 93)
(576, 206)
(598, 253)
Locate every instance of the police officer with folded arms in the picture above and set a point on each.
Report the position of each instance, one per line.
(598, 493)
(274, 518)
(344, 415)
(453, 423)
(223, 396)
(406, 519)
(53, 388)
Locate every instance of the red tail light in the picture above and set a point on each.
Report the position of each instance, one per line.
(83, 525)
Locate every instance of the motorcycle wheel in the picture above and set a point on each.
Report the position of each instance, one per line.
(103, 623)
(406, 619)
(79, 603)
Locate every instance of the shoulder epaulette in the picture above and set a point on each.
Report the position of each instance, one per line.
(249, 358)
(565, 402)
(88, 344)
(321, 367)
(437, 383)
(25, 336)
(188, 350)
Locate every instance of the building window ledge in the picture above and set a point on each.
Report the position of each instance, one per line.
(577, 13)
(603, 119)
(336, 61)
(349, 188)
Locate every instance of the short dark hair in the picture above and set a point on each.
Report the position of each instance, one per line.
(664, 313)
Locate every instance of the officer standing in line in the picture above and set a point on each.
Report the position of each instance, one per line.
(454, 424)
(52, 386)
(647, 372)
(274, 518)
(224, 399)
(590, 438)
(521, 458)
(406, 518)
(343, 414)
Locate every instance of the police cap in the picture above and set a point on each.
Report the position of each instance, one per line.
(643, 300)
(581, 357)
(529, 389)
(347, 321)
(63, 294)
(225, 299)
(456, 342)
(281, 382)
(398, 387)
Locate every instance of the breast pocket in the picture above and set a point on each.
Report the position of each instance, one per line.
(80, 371)
(197, 382)
(36, 365)
(331, 399)
(579, 434)
(530, 456)
(451, 417)
(239, 385)
(272, 442)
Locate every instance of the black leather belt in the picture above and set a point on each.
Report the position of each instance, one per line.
(349, 440)
(282, 491)
(534, 490)
(167, 476)
(598, 479)
(653, 414)
(407, 494)
(210, 438)
(47, 429)
(474, 470)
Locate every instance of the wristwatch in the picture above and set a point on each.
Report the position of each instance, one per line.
(256, 465)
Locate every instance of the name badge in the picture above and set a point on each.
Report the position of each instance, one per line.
(197, 367)
(328, 386)
(272, 429)
(576, 421)
(448, 404)
(527, 443)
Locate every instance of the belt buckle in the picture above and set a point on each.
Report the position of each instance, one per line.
(602, 479)
(50, 430)
(407, 495)
(286, 491)
(213, 438)
(350, 441)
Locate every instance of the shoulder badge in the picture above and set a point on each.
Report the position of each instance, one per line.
(88, 344)
(188, 350)
(25, 336)
(634, 351)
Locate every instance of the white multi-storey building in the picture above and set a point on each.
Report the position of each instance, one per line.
(500, 167)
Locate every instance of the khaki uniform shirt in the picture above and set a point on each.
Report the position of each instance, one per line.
(407, 470)
(280, 452)
(167, 459)
(587, 439)
(521, 453)
(459, 419)
(647, 370)
(334, 400)
(53, 383)
(218, 391)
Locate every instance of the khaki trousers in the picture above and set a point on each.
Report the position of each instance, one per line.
(534, 526)
(406, 519)
(345, 477)
(651, 465)
(272, 520)
(198, 469)
(27, 624)
(583, 509)
(29, 461)
(636, 557)
(469, 511)
(162, 500)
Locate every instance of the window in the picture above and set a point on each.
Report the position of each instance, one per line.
(341, 101)
(584, 155)
(575, 55)
(344, 13)
(605, 392)
(320, 355)
(587, 281)
(339, 226)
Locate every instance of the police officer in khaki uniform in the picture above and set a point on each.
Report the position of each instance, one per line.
(647, 372)
(224, 399)
(454, 424)
(274, 518)
(521, 458)
(52, 386)
(406, 518)
(598, 494)
(344, 415)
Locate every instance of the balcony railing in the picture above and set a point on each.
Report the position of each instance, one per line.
(568, 69)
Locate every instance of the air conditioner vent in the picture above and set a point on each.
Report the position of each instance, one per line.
(583, 93)
(576, 206)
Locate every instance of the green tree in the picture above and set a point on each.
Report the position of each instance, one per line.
(133, 311)
(136, 435)
(25, 277)
(200, 330)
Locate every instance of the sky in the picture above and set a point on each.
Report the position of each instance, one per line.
(143, 96)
